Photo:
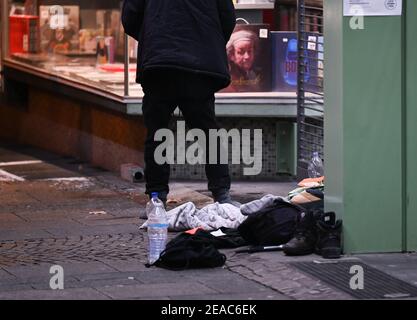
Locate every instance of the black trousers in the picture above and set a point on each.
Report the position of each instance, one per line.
(165, 90)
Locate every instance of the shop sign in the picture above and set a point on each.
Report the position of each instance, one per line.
(372, 8)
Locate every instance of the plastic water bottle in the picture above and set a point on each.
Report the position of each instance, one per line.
(157, 231)
(150, 205)
(315, 167)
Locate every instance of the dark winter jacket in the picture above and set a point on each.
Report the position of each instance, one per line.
(184, 34)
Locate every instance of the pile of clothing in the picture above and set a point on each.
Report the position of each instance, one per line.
(296, 224)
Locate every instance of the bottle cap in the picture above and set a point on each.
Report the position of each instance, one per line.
(154, 194)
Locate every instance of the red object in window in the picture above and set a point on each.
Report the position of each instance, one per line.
(268, 18)
(23, 34)
(116, 68)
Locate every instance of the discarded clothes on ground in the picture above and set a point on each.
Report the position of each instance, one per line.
(269, 221)
(209, 218)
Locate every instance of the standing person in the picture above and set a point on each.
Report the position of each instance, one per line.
(182, 62)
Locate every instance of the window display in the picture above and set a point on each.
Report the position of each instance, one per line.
(83, 42)
(76, 41)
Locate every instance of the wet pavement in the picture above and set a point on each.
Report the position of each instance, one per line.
(58, 210)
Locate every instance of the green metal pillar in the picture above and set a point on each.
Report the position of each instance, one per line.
(411, 126)
(364, 134)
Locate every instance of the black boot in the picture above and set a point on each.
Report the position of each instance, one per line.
(305, 237)
(329, 231)
(223, 196)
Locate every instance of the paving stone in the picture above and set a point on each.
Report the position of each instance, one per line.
(14, 287)
(35, 171)
(29, 272)
(48, 215)
(70, 269)
(9, 217)
(127, 266)
(106, 276)
(237, 296)
(154, 276)
(282, 280)
(86, 268)
(202, 273)
(233, 284)
(151, 298)
(112, 221)
(74, 283)
(74, 208)
(286, 284)
(156, 290)
(40, 225)
(4, 275)
(23, 233)
(13, 197)
(157, 275)
(67, 294)
(39, 281)
(123, 248)
(93, 230)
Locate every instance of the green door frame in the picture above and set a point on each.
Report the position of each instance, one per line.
(370, 133)
(410, 121)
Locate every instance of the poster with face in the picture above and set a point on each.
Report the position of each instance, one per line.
(249, 55)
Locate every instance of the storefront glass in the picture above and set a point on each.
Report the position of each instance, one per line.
(75, 41)
(82, 43)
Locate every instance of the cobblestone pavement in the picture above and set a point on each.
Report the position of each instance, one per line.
(72, 249)
(61, 211)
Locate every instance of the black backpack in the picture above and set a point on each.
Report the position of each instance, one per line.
(188, 251)
(272, 226)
